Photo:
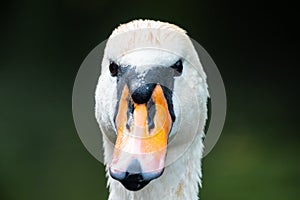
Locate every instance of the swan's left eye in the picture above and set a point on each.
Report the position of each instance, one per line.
(114, 69)
(178, 67)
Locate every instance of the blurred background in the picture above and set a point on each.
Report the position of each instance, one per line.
(253, 43)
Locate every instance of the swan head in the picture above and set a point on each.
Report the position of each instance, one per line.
(143, 66)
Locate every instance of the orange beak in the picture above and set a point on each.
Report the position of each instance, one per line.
(141, 148)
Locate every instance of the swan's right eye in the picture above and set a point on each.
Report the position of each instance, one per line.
(114, 69)
(178, 67)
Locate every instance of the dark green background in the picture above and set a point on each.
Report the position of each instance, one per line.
(44, 42)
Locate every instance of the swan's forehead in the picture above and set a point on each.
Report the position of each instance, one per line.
(144, 59)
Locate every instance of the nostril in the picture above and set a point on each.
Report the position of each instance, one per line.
(129, 114)
(142, 94)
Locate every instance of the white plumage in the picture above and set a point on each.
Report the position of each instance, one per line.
(144, 44)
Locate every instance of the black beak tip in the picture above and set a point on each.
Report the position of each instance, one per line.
(133, 178)
(134, 182)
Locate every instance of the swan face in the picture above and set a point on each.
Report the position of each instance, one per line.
(143, 118)
(142, 68)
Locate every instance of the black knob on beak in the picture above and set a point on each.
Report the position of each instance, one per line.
(143, 94)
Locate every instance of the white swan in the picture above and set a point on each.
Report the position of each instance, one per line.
(147, 64)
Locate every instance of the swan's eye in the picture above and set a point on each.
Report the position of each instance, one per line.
(114, 69)
(178, 67)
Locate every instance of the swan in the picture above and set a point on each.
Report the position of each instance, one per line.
(150, 71)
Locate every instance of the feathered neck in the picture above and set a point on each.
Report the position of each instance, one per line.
(180, 180)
